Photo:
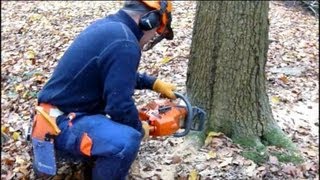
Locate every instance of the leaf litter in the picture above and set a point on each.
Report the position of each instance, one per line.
(35, 35)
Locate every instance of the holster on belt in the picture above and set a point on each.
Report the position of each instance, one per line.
(44, 129)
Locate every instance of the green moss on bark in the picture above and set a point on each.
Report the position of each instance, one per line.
(255, 148)
(258, 157)
(290, 156)
(278, 138)
(249, 142)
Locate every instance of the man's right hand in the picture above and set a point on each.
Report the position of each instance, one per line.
(146, 129)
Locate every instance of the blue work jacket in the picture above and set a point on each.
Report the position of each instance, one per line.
(98, 72)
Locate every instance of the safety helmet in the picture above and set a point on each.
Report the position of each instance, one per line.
(161, 9)
(159, 16)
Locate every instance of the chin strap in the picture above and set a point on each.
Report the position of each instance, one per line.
(153, 43)
(167, 34)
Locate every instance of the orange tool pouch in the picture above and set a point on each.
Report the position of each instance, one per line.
(44, 121)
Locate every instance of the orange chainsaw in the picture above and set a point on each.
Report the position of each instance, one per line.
(166, 117)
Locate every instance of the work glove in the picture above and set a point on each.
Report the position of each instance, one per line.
(164, 88)
(146, 129)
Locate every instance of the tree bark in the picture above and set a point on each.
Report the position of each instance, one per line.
(226, 71)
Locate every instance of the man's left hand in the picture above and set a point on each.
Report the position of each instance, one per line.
(164, 88)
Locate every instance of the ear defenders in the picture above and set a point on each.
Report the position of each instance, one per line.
(152, 19)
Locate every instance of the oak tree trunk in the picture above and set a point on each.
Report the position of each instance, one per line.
(226, 71)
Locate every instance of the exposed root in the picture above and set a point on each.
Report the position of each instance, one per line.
(289, 153)
(276, 137)
(251, 142)
(253, 148)
(256, 148)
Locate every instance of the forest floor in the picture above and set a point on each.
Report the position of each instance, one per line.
(35, 34)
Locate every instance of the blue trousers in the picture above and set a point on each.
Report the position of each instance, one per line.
(114, 146)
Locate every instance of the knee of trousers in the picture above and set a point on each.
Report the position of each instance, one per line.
(130, 141)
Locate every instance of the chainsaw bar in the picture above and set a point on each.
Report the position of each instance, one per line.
(198, 119)
(195, 117)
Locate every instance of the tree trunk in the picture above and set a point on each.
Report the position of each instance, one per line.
(226, 71)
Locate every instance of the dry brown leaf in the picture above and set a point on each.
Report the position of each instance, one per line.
(261, 168)
(8, 161)
(284, 79)
(274, 169)
(225, 162)
(290, 169)
(24, 171)
(273, 160)
(176, 159)
(250, 170)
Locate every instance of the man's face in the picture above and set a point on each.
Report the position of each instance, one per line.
(148, 35)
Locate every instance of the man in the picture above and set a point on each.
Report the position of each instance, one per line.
(93, 84)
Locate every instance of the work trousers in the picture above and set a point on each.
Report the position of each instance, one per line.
(112, 145)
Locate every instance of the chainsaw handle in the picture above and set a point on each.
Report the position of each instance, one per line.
(188, 121)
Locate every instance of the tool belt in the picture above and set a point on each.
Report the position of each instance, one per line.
(44, 129)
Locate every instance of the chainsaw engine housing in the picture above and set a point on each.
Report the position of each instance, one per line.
(163, 116)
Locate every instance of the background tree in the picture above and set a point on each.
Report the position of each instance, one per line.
(226, 74)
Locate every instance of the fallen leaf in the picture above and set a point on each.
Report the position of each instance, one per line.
(30, 54)
(8, 161)
(218, 142)
(311, 153)
(250, 170)
(19, 160)
(10, 175)
(25, 95)
(306, 166)
(207, 141)
(166, 59)
(261, 168)
(35, 17)
(210, 136)
(193, 175)
(4, 129)
(24, 171)
(176, 159)
(274, 169)
(19, 87)
(275, 99)
(211, 155)
(290, 169)
(225, 162)
(214, 134)
(284, 79)
(16, 135)
(273, 160)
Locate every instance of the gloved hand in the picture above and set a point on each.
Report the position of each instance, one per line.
(146, 129)
(164, 88)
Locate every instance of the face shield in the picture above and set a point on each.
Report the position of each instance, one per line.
(164, 31)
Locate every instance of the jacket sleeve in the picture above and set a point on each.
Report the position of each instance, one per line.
(144, 81)
(119, 65)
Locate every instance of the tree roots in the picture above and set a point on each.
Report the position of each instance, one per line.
(257, 148)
